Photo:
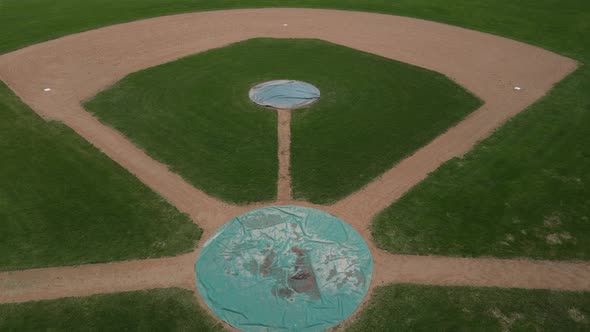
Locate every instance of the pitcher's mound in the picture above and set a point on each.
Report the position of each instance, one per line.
(284, 94)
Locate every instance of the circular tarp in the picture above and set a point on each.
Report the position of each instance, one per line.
(284, 94)
(284, 268)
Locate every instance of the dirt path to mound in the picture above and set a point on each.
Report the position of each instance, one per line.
(284, 136)
(76, 67)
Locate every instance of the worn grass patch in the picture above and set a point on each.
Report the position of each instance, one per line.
(406, 307)
(63, 202)
(151, 310)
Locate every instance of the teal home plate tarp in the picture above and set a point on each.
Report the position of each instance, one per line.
(284, 268)
(284, 94)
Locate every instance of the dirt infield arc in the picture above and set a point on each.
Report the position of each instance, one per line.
(76, 67)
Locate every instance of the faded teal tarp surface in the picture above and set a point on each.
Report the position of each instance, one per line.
(284, 94)
(284, 268)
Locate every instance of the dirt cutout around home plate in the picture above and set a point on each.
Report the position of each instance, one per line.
(55, 76)
(284, 268)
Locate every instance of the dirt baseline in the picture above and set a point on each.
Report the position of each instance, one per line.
(76, 67)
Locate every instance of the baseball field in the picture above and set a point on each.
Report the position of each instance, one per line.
(451, 137)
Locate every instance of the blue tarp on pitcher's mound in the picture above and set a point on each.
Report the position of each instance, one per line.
(284, 268)
(284, 94)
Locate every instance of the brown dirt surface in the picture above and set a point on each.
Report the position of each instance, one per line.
(76, 67)
(284, 135)
(56, 282)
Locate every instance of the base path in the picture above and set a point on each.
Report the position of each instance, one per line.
(52, 283)
(57, 282)
(76, 67)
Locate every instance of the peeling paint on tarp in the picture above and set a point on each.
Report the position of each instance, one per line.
(284, 268)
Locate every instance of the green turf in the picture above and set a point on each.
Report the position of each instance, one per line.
(194, 114)
(62, 202)
(153, 310)
(405, 307)
(562, 26)
(357, 131)
(523, 192)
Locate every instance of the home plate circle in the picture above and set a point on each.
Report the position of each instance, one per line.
(284, 268)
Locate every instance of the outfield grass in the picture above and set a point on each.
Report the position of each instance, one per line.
(356, 131)
(401, 307)
(406, 307)
(152, 310)
(525, 191)
(62, 202)
(186, 114)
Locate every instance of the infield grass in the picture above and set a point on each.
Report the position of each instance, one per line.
(525, 191)
(194, 114)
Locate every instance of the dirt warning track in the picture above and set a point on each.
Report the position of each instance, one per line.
(76, 67)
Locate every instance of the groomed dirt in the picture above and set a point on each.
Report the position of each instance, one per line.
(76, 67)
(284, 137)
